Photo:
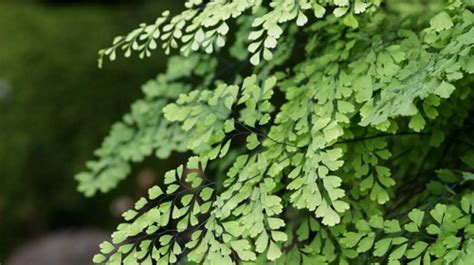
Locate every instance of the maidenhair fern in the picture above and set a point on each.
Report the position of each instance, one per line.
(349, 143)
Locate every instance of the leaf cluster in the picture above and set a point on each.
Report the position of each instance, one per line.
(351, 147)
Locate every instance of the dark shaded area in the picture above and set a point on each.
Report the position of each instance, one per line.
(56, 106)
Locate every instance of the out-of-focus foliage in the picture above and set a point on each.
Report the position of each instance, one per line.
(54, 108)
(350, 143)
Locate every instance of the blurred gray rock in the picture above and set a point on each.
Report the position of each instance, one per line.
(69, 247)
(5, 89)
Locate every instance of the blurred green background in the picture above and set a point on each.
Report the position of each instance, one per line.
(56, 106)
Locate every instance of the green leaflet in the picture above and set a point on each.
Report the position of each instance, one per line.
(349, 143)
(443, 229)
(143, 131)
(206, 28)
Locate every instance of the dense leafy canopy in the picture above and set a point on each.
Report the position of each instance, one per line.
(349, 143)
